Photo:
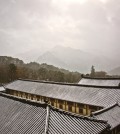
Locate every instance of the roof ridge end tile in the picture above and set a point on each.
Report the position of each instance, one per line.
(104, 110)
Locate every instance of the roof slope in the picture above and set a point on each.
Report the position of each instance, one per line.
(100, 81)
(21, 116)
(61, 122)
(111, 114)
(2, 88)
(98, 96)
(18, 117)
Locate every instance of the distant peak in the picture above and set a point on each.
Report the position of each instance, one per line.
(66, 47)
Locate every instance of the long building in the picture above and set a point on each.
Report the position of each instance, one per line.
(100, 81)
(80, 99)
(21, 116)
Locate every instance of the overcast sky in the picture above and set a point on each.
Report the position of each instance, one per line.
(34, 24)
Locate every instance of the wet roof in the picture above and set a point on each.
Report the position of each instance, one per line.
(23, 116)
(2, 88)
(98, 96)
(100, 81)
(17, 117)
(110, 114)
(62, 122)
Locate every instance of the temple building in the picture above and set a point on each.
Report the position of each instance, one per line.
(79, 101)
(100, 81)
(21, 116)
(70, 97)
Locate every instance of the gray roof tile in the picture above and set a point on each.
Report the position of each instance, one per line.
(99, 96)
(110, 114)
(18, 117)
(22, 116)
(63, 122)
(100, 81)
(2, 88)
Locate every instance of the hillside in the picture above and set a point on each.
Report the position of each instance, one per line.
(75, 59)
(33, 70)
(115, 71)
(50, 58)
(36, 66)
(9, 60)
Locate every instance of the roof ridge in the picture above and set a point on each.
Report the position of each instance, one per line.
(77, 115)
(70, 84)
(105, 109)
(102, 78)
(47, 118)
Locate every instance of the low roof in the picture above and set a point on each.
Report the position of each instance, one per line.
(61, 122)
(23, 116)
(100, 81)
(19, 117)
(2, 88)
(97, 96)
(110, 114)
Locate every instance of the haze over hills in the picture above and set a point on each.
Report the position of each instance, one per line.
(70, 58)
(75, 59)
(50, 58)
(28, 25)
(30, 30)
(115, 71)
(31, 55)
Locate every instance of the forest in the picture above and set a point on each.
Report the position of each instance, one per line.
(13, 68)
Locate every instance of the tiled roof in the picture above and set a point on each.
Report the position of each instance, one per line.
(2, 88)
(110, 114)
(64, 123)
(19, 116)
(100, 81)
(92, 95)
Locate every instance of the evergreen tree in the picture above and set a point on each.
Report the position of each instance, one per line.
(92, 71)
(12, 71)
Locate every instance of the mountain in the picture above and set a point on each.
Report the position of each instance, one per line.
(31, 55)
(50, 58)
(8, 60)
(75, 59)
(115, 71)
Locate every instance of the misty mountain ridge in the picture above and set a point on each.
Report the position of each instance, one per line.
(6, 60)
(51, 59)
(75, 59)
(69, 59)
(31, 55)
(115, 71)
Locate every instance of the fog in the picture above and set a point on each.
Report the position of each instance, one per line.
(88, 25)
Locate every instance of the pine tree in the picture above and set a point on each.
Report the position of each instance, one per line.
(92, 71)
